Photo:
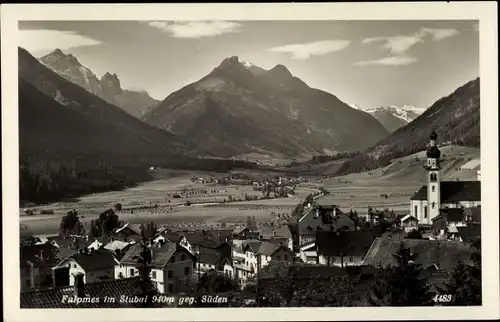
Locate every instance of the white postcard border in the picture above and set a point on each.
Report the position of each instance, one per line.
(485, 12)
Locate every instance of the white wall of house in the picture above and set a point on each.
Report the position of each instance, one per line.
(228, 270)
(308, 256)
(169, 279)
(336, 260)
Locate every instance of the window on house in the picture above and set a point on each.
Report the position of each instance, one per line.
(416, 210)
(153, 275)
(433, 205)
(285, 257)
(278, 257)
(170, 288)
(131, 272)
(350, 259)
(183, 257)
(425, 212)
(186, 270)
(170, 274)
(173, 259)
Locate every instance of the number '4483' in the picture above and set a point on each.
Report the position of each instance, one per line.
(442, 298)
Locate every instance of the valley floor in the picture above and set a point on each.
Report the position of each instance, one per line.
(154, 201)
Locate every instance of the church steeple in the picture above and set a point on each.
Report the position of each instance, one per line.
(433, 153)
(431, 209)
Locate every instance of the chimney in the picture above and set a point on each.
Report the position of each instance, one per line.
(79, 287)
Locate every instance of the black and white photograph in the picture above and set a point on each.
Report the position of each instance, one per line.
(251, 163)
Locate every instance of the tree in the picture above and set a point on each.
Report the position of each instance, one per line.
(400, 285)
(414, 234)
(107, 222)
(118, 206)
(464, 283)
(71, 225)
(145, 286)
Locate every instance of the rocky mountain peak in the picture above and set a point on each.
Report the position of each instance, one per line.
(110, 84)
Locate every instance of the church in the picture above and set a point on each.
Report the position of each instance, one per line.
(429, 199)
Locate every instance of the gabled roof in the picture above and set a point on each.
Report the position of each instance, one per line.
(116, 244)
(310, 223)
(343, 243)
(161, 255)
(203, 238)
(275, 232)
(252, 244)
(454, 191)
(51, 298)
(445, 254)
(408, 217)
(267, 248)
(95, 260)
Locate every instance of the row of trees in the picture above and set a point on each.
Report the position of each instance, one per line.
(43, 181)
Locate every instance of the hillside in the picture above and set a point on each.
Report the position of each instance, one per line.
(135, 103)
(60, 119)
(241, 109)
(455, 118)
(457, 163)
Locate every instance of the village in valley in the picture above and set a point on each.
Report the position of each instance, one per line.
(315, 251)
(185, 163)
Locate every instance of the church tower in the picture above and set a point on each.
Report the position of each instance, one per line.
(431, 210)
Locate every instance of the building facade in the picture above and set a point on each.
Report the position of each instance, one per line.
(437, 194)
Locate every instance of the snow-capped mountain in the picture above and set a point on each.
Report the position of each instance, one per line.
(108, 87)
(406, 112)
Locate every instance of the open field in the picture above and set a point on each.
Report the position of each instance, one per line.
(154, 201)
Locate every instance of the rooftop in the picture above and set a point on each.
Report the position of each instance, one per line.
(52, 298)
(454, 191)
(343, 243)
(445, 254)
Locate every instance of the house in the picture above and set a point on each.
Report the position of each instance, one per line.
(212, 261)
(427, 202)
(35, 265)
(243, 233)
(322, 216)
(408, 223)
(172, 266)
(280, 232)
(53, 298)
(308, 253)
(342, 248)
(95, 266)
(269, 251)
(450, 219)
(205, 241)
(244, 259)
(444, 254)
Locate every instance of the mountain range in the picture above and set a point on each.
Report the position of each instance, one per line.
(108, 87)
(455, 118)
(61, 120)
(240, 108)
(392, 117)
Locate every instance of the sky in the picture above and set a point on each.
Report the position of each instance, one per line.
(367, 63)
